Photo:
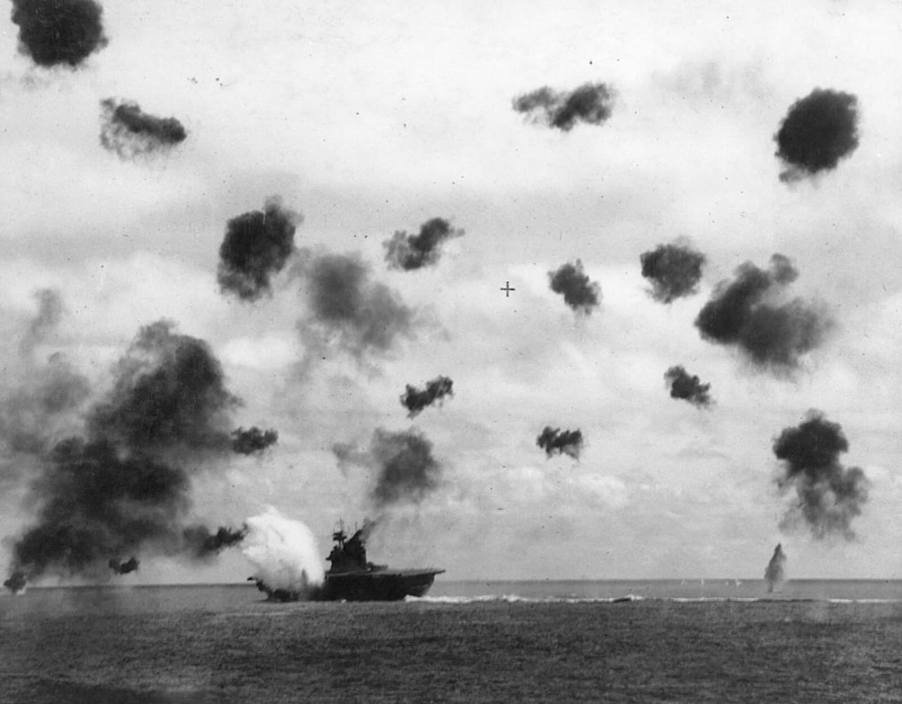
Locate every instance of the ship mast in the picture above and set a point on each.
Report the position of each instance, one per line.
(339, 536)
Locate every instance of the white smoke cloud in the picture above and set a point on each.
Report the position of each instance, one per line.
(283, 552)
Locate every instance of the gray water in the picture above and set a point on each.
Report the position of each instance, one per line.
(670, 641)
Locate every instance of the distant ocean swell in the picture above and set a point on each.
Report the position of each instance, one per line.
(517, 599)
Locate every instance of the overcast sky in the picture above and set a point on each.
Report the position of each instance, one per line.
(371, 118)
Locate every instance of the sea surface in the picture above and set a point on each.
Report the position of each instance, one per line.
(627, 641)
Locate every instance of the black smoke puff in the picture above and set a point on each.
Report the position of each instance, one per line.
(818, 131)
(256, 247)
(557, 441)
(828, 495)
(128, 131)
(415, 400)
(55, 32)
(746, 314)
(590, 103)
(409, 252)
(673, 269)
(581, 294)
(687, 387)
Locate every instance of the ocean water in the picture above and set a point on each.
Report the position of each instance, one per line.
(629, 641)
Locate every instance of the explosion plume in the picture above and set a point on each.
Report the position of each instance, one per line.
(348, 309)
(284, 555)
(743, 313)
(687, 387)
(561, 442)
(54, 32)
(256, 247)
(415, 400)
(129, 131)
(774, 575)
(673, 269)
(409, 252)
(405, 469)
(581, 294)
(818, 131)
(829, 495)
(123, 486)
(590, 103)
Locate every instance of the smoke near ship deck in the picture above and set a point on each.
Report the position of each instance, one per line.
(122, 487)
(828, 496)
(775, 573)
(284, 555)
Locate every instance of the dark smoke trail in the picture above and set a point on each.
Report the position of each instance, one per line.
(415, 400)
(561, 442)
(247, 442)
(818, 131)
(256, 247)
(50, 312)
(16, 582)
(54, 32)
(770, 334)
(169, 394)
(33, 412)
(130, 565)
(774, 575)
(687, 387)
(124, 487)
(579, 293)
(201, 543)
(40, 397)
(829, 494)
(590, 103)
(673, 269)
(348, 309)
(406, 471)
(128, 131)
(408, 252)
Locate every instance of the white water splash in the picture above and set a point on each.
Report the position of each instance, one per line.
(283, 552)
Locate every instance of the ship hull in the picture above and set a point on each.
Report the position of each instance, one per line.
(388, 585)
